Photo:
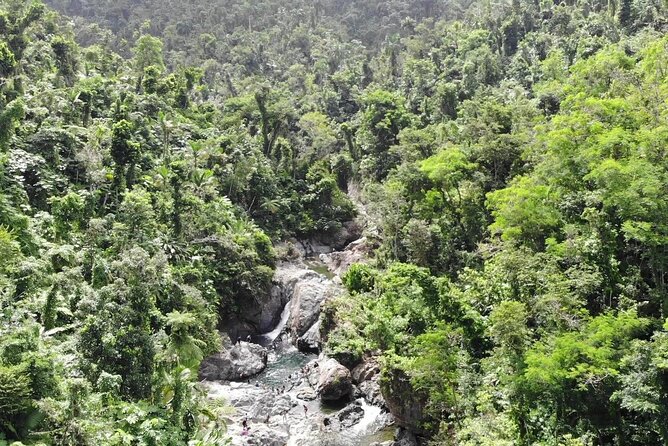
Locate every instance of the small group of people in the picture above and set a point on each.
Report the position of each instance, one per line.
(293, 379)
(278, 390)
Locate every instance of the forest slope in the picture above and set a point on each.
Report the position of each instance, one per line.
(513, 163)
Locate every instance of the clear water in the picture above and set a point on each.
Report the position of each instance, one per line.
(319, 267)
(281, 365)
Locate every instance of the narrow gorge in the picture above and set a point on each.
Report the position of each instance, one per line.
(281, 381)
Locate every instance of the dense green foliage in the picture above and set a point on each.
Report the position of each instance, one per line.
(512, 163)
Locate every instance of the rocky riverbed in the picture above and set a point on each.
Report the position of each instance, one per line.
(278, 416)
(280, 382)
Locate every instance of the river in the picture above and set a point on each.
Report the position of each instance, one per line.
(281, 404)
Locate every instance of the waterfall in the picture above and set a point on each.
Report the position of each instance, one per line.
(273, 334)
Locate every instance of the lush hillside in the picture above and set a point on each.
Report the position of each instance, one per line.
(512, 163)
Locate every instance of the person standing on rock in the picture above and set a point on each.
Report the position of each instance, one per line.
(326, 425)
(248, 339)
(238, 340)
(305, 411)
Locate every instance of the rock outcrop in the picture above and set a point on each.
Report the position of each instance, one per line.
(308, 295)
(239, 362)
(338, 262)
(365, 371)
(350, 415)
(307, 395)
(406, 404)
(370, 391)
(262, 435)
(335, 381)
(310, 342)
(402, 437)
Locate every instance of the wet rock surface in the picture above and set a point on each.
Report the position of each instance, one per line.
(262, 435)
(350, 415)
(365, 371)
(405, 438)
(307, 297)
(307, 395)
(370, 391)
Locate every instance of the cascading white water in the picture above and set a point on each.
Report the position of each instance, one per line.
(371, 414)
(273, 334)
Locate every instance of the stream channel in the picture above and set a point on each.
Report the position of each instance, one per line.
(277, 417)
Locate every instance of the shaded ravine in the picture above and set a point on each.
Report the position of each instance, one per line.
(274, 401)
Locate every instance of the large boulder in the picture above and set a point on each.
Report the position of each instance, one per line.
(403, 437)
(308, 294)
(263, 314)
(310, 342)
(309, 248)
(335, 381)
(339, 239)
(370, 391)
(239, 362)
(270, 311)
(286, 277)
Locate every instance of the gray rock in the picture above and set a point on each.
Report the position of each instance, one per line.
(310, 247)
(370, 391)
(262, 435)
(290, 281)
(310, 342)
(270, 311)
(365, 371)
(403, 437)
(335, 381)
(239, 362)
(339, 239)
(308, 294)
(313, 375)
(350, 415)
(286, 278)
(307, 394)
(404, 402)
(338, 262)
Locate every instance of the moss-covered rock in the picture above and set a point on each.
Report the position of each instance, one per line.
(335, 381)
(405, 403)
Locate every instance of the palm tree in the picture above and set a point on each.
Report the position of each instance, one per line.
(183, 348)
